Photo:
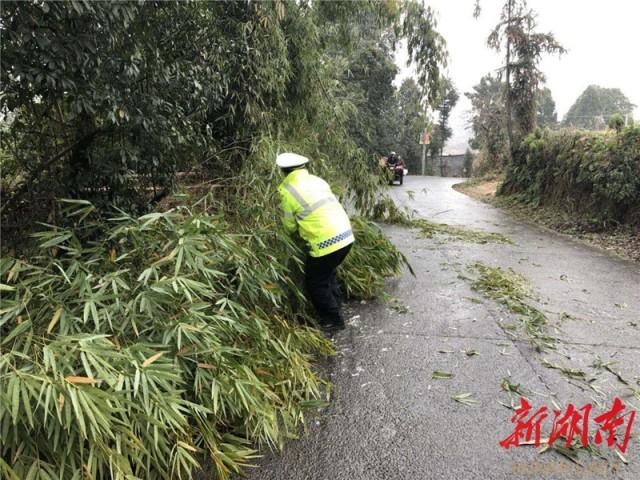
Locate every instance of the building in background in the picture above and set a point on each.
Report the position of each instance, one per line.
(451, 164)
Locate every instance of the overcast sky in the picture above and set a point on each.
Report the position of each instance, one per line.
(601, 39)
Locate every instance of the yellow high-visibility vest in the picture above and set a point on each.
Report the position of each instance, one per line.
(309, 206)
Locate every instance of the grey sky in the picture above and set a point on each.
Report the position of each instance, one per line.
(599, 36)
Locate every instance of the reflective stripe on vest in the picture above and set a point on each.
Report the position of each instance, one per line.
(333, 240)
(308, 209)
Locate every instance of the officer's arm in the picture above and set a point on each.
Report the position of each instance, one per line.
(288, 206)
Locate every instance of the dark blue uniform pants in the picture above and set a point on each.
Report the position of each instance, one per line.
(322, 285)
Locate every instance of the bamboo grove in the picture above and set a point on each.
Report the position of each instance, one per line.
(152, 322)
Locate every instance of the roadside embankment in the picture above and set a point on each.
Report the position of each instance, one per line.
(585, 184)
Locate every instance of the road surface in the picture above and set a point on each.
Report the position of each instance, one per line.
(389, 419)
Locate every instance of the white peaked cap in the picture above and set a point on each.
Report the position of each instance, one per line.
(288, 160)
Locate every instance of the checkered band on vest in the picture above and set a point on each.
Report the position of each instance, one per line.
(334, 240)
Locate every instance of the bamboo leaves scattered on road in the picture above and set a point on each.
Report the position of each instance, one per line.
(513, 291)
(430, 229)
(465, 399)
(386, 211)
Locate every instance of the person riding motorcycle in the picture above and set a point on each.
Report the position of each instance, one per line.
(396, 168)
(392, 159)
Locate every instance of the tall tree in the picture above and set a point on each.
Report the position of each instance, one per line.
(546, 115)
(427, 48)
(468, 163)
(595, 105)
(448, 98)
(487, 122)
(369, 83)
(413, 121)
(515, 35)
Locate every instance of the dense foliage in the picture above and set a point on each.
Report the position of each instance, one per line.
(371, 260)
(595, 105)
(593, 174)
(546, 115)
(488, 121)
(127, 355)
(133, 343)
(523, 47)
(110, 101)
(616, 122)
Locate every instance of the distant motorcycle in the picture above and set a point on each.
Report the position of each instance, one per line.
(397, 173)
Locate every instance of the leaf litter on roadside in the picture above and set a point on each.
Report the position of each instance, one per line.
(465, 399)
(510, 387)
(573, 373)
(471, 299)
(570, 451)
(430, 229)
(441, 374)
(513, 290)
(599, 363)
(388, 212)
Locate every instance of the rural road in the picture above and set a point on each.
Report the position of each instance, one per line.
(389, 419)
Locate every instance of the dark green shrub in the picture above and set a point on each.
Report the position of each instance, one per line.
(595, 174)
(616, 122)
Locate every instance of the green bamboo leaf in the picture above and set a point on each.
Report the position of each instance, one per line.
(14, 390)
(26, 402)
(23, 327)
(7, 471)
(56, 240)
(54, 319)
(86, 312)
(624, 460)
(150, 219)
(76, 201)
(136, 382)
(465, 399)
(179, 260)
(79, 415)
(47, 400)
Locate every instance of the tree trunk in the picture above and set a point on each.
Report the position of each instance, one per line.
(508, 78)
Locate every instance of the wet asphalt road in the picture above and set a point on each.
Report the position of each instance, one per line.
(390, 420)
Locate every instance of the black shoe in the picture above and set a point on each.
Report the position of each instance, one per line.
(338, 325)
(332, 328)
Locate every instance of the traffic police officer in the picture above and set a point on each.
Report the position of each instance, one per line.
(309, 206)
